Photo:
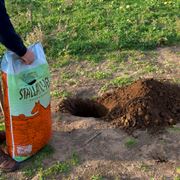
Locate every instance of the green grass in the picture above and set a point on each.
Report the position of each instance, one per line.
(174, 129)
(98, 75)
(35, 166)
(149, 68)
(178, 170)
(130, 142)
(177, 178)
(60, 94)
(144, 167)
(90, 30)
(35, 163)
(96, 177)
(61, 62)
(117, 82)
(66, 77)
(60, 167)
(121, 81)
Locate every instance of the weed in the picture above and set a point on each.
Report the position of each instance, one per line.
(149, 68)
(99, 75)
(114, 67)
(96, 177)
(71, 82)
(104, 88)
(178, 170)
(121, 81)
(61, 62)
(37, 161)
(144, 167)
(176, 80)
(61, 167)
(37, 168)
(96, 58)
(74, 159)
(57, 93)
(130, 142)
(66, 76)
(118, 56)
(117, 82)
(174, 129)
(177, 178)
(65, 94)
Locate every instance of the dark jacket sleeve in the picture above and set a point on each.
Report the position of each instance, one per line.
(8, 36)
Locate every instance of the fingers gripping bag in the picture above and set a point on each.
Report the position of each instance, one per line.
(27, 111)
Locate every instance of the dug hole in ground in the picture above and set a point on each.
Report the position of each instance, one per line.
(129, 132)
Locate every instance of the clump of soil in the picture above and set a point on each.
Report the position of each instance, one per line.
(144, 103)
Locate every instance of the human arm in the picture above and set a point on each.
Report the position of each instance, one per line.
(10, 38)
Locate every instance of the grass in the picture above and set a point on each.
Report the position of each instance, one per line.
(61, 61)
(178, 170)
(149, 68)
(177, 178)
(60, 94)
(130, 142)
(98, 75)
(117, 82)
(174, 129)
(66, 76)
(121, 81)
(60, 167)
(36, 162)
(96, 177)
(36, 168)
(144, 167)
(97, 27)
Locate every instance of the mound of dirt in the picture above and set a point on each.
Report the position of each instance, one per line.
(145, 103)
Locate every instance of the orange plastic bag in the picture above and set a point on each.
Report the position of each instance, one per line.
(26, 103)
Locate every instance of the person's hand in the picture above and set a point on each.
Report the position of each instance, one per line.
(28, 58)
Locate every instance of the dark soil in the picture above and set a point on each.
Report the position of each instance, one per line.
(83, 107)
(145, 103)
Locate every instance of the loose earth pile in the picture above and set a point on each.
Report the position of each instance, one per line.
(145, 103)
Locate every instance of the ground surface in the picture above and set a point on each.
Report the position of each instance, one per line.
(86, 148)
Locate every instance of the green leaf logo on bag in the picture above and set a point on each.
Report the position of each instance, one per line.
(29, 78)
(36, 86)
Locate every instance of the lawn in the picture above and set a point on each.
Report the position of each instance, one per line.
(90, 30)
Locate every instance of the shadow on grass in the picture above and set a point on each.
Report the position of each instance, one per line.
(96, 51)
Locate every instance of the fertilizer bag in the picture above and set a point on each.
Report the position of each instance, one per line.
(27, 111)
